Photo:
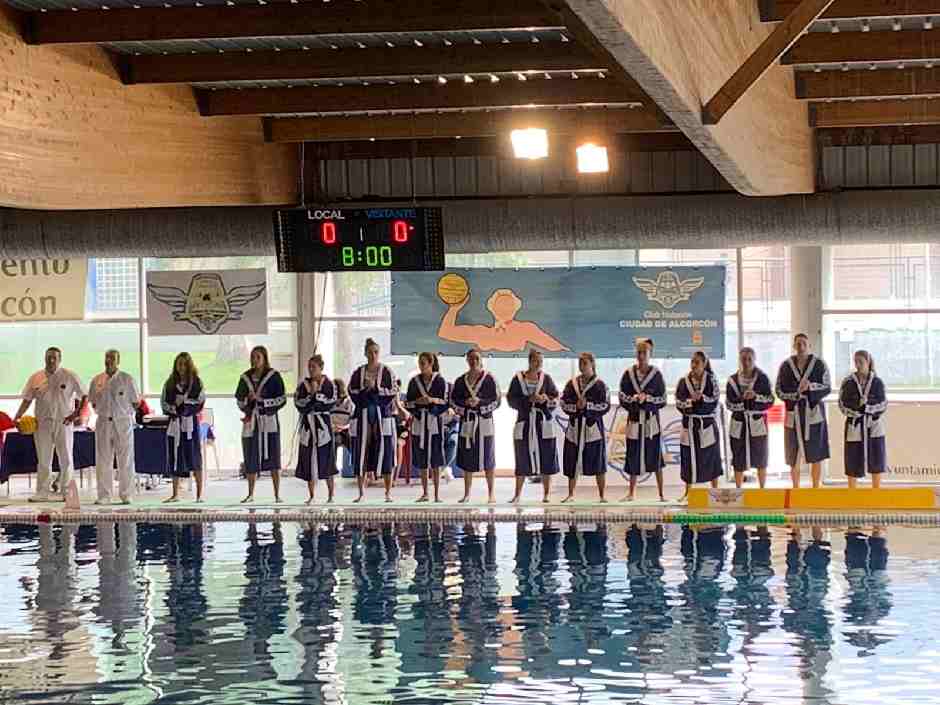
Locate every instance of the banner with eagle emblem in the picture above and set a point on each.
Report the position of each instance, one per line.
(561, 311)
(209, 302)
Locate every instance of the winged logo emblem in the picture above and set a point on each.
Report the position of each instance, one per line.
(207, 304)
(668, 289)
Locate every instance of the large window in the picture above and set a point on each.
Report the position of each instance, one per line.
(116, 318)
(884, 299)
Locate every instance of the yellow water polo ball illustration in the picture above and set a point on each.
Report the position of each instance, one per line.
(453, 289)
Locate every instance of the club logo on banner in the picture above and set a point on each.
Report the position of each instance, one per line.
(560, 311)
(225, 302)
(42, 289)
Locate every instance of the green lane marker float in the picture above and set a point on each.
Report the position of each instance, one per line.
(726, 518)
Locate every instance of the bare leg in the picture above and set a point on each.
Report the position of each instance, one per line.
(467, 483)
(520, 481)
(360, 480)
(276, 481)
(876, 480)
(491, 486)
(715, 483)
(387, 480)
(659, 485)
(631, 493)
(436, 479)
(252, 478)
(330, 489)
(572, 484)
(311, 490)
(546, 487)
(816, 471)
(762, 477)
(795, 476)
(853, 482)
(601, 479)
(738, 479)
(688, 486)
(424, 486)
(176, 491)
(199, 484)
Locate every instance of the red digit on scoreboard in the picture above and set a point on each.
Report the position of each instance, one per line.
(400, 230)
(328, 232)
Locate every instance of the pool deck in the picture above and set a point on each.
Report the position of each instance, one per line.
(223, 503)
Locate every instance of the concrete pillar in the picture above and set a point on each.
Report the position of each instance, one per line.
(806, 300)
(308, 290)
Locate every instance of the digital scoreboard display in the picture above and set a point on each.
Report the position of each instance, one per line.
(359, 239)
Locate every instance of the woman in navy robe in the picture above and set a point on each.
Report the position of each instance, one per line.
(534, 396)
(803, 383)
(260, 395)
(749, 396)
(863, 403)
(315, 398)
(475, 396)
(426, 400)
(585, 400)
(182, 399)
(700, 441)
(372, 432)
(642, 395)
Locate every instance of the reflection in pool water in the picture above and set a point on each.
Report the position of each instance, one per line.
(440, 613)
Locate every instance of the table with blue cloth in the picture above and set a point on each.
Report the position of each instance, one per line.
(18, 456)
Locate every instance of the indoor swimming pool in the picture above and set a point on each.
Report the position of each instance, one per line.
(125, 612)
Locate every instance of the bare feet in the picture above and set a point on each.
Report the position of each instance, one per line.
(546, 499)
(357, 499)
(567, 499)
(169, 500)
(199, 500)
(422, 498)
(463, 500)
(329, 500)
(491, 500)
(514, 499)
(248, 500)
(437, 500)
(388, 498)
(309, 501)
(662, 498)
(277, 500)
(628, 498)
(602, 500)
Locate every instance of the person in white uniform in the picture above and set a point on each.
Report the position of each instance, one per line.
(115, 397)
(59, 397)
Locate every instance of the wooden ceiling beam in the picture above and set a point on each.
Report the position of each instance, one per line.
(875, 112)
(154, 24)
(777, 10)
(411, 97)
(485, 146)
(878, 135)
(349, 63)
(582, 121)
(864, 47)
(680, 53)
(861, 84)
(782, 38)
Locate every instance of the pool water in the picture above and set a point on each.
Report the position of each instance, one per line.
(502, 613)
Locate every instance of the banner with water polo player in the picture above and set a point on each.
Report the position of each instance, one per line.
(560, 311)
(207, 302)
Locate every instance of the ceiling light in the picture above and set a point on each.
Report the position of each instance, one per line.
(467, 78)
(494, 78)
(529, 143)
(441, 80)
(592, 159)
(520, 76)
(896, 25)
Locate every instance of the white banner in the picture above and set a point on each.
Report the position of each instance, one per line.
(42, 289)
(219, 302)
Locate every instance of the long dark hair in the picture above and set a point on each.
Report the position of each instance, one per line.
(264, 353)
(431, 358)
(700, 354)
(174, 377)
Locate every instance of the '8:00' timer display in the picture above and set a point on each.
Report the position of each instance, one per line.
(361, 239)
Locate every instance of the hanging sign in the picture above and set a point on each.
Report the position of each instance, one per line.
(42, 289)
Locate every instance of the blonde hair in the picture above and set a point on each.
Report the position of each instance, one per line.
(589, 357)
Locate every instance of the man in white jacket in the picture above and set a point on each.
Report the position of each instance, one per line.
(115, 397)
(59, 397)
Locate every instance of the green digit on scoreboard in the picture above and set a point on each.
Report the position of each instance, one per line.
(385, 255)
(349, 258)
(372, 256)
